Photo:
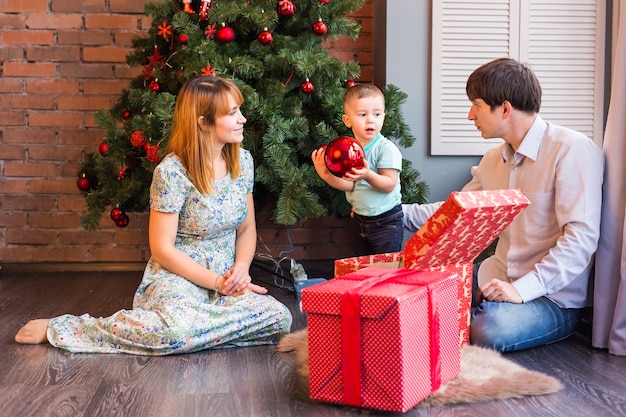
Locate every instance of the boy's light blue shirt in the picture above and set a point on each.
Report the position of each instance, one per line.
(365, 200)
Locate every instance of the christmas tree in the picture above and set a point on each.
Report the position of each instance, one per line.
(293, 88)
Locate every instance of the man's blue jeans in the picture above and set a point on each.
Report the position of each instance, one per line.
(507, 326)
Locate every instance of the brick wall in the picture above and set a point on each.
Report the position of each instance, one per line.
(61, 61)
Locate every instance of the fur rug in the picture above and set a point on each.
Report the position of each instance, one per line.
(485, 375)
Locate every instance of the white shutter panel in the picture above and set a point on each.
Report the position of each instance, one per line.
(565, 48)
(562, 40)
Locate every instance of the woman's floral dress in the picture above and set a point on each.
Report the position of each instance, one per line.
(171, 314)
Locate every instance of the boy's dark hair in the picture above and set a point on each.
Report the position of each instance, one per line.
(505, 79)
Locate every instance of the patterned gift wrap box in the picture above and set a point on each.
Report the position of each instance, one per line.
(382, 339)
(465, 225)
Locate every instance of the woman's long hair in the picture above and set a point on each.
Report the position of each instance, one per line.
(206, 97)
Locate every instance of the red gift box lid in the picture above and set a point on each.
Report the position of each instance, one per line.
(465, 224)
(394, 286)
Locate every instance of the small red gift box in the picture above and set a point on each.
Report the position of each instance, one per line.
(466, 224)
(380, 338)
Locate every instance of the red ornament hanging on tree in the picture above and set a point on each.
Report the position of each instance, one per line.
(183, 38)
(320, 28)
(225, 34)
(103, 148)
(324, 1)
(342, 154)
(350, 83)
(152, 153)
(285, 9)
(83, 183)
(204, 9)
(265, 37)
(123, 222)
(117, 214)
(187, 8)
(137, 138)
(126, 114)
(121, 175)
(307, 87)
(154, 86)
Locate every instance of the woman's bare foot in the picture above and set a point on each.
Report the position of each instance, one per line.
(33, 332)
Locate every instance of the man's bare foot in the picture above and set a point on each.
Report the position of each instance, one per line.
(33, 332)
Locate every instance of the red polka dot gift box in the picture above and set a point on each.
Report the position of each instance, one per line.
(381, 338)
(460, 230)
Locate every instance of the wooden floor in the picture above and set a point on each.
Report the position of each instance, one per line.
(246, 382)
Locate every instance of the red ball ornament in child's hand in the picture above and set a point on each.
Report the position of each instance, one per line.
(343, 154)
(225, 34)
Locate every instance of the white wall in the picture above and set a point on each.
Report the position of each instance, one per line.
(408, 67)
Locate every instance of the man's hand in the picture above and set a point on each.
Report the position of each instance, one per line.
(499, 291)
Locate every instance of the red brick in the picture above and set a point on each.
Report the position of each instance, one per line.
(53, 186)
(85, 238)
(12, 118)
(58, 153)
(13, 220)
(11, 53)
(26, 101)
(82, 137)
(47, 86)
(19, 135)
(111, 21)
(12, 152)
(125, 6)
(66, 119)
(110, 54)
(108, 87)
(72, 204)
(18, 254)
(56, 254)
(118, 254)
(21, 6)
(67, 70)
(83, 6)
(91, 37)
(30, 237)
(28, 204)
(11, 85)
(53, 53)
(27, 37)
(83, 102)
(12, 21)
(23, 169)
(13, 186)
(23, 69)
(54, 21)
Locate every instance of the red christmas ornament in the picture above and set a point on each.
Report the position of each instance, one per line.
(286, 9)
(137, 138)
(123, 222)
(324, 1)
(152, 153)
(83, 183)
(307, 87)
(154, 86)
(320, 28)
(117, 214)
(350, 83)
(204, 9)
(342, 154)
(121, 175)
(225, 34)
(183, 38)
(265, 37)
(126, 114)
(187, 7)
(103, 148)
